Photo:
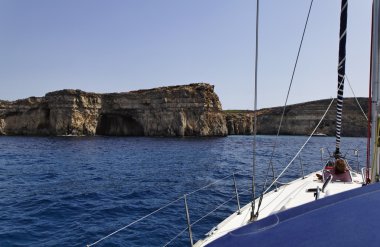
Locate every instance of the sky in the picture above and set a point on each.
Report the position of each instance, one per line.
(109, 46)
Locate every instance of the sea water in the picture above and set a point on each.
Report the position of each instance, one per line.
(72, 191)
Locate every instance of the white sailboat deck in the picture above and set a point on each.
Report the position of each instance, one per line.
(287, 196)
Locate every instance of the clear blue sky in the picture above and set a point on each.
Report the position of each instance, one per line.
(122, 45)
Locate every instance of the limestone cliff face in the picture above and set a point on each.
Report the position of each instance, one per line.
(190, 110)
(24, 117)
(193, 110)
(239, 123)
(301, 119)
(73, 112)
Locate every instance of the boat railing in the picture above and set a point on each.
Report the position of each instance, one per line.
(352, 160)
(235, 196)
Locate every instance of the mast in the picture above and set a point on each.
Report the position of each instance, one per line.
(341, 73)
(375, 50)
(253, 215)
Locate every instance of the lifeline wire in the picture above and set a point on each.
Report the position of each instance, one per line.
(161, 208)
(134, 222)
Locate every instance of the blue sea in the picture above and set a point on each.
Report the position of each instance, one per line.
(72, 191)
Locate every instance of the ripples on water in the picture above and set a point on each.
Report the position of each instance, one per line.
(68, 191)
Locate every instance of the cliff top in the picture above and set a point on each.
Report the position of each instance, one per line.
(347, 102)
(70, 92)
(200, 85)
(192, 86)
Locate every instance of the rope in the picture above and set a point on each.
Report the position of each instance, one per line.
(221, 205)
(282, 183)
(357, 101)
(284, 108)
(134, 222)
(302, 147)
(204, 187)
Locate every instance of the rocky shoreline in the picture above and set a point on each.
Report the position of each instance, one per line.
(301, 119)
(189, 110)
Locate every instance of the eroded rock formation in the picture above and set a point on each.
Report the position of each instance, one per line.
(239, 122)
(190, 110)
(301, 119)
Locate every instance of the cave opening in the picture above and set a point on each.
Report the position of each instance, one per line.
(119, 125)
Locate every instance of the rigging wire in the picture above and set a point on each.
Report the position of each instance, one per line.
(284, 108)
(208, 185)
(255, 113)
(356, 99)
(302, 147)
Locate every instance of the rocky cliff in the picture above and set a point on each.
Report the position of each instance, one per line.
(190, 110)
(239, 122)
(301, 119)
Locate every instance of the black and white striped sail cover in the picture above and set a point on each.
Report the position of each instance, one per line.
(341, 72)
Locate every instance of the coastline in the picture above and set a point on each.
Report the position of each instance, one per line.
(176, 111)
